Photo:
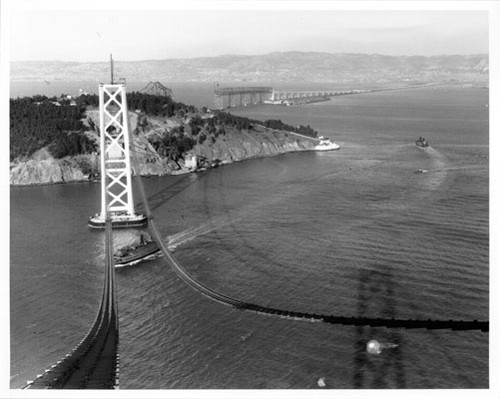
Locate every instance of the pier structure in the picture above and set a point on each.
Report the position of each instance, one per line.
(228, 97)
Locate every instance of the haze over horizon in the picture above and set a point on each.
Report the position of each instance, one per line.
(142, 35)
(235, 55)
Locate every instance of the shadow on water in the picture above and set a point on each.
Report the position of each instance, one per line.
(376, 298)
(160, 198)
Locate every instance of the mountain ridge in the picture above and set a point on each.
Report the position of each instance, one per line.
(276, 66)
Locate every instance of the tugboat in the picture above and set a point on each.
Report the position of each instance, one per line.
(421, 143)
(132, 254)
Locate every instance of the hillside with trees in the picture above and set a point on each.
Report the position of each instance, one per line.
(37, 122)
(52, 129)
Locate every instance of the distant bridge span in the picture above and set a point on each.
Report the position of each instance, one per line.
(240, 96)
(290, 95)
(229, 97)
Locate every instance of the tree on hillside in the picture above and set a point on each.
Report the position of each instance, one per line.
(173, 145)
(39, 121)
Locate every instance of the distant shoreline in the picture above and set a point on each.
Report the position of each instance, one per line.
(291, 66)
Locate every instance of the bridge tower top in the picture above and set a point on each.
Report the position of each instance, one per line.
(117, 200)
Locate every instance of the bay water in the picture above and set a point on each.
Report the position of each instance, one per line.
(353, 232)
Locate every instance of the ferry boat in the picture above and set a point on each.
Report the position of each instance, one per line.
(135, 253)
(422, 143)
(326, 145)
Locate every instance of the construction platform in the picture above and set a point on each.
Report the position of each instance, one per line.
(118, 221)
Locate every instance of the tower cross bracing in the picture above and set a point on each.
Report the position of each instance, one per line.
(116, 177)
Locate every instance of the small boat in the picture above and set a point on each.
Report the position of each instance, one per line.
(135, 253)
(422, 143)
(421, 171)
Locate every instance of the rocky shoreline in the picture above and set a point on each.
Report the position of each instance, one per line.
(234, 146)
(37, 173)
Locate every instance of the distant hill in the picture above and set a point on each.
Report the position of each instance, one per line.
(287, 67)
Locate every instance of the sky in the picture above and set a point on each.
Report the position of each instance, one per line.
(84, 35)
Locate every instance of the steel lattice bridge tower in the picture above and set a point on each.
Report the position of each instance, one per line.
(116, 181)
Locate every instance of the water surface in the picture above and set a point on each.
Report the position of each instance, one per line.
(350, 232)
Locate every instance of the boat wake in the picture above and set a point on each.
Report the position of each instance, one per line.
(150, 257)
(192, 233)
(175, 240)
(465, 168)
(438, 166)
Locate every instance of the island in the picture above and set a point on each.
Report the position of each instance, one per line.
(56, 139)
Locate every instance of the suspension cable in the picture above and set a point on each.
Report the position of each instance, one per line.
(483, 326)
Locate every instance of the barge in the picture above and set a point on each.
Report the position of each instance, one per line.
(145, 249)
